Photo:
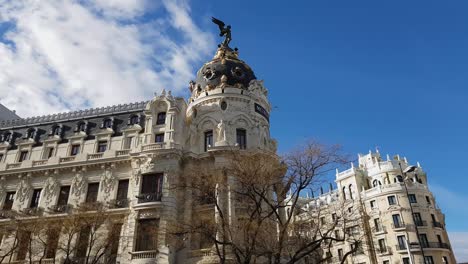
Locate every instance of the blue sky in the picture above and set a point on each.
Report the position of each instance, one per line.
(363, 74)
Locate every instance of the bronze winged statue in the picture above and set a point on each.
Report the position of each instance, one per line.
(223, 31)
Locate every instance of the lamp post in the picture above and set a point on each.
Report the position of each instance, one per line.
(405, 178)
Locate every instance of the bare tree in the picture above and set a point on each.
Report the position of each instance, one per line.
(258, 214)
(90, 235)
(9, 232)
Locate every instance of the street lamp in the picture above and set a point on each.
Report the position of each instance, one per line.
(405, 178)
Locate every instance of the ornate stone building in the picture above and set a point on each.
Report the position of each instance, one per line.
(390, 210)
(117, 164)
(124, 158)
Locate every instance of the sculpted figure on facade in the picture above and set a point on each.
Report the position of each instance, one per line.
(136, 169)
(51, 187)
(221, 131)
(108, 179)
(256, 87)
(193, 135)
(24, 188)
(78, 183)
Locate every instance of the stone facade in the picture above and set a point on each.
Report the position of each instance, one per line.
(392, 207)
(52, 166)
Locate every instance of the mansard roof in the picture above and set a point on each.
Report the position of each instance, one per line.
(67, 125)
(73, 115)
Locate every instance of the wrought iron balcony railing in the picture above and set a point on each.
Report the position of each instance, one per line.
(149, 197)
(435, 245)
(420, 223)
(62, 208)
(398, 225)
(384, 250)
(118, 203)
(437, 224)
(32, 211)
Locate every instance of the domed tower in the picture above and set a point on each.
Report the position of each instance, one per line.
(228, 106)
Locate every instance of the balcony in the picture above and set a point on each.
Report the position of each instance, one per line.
(398, 225)
(437, 224)
(91, 206)
(384, 250)
(205, 252)
(7, 214)
(435, 245)
(91, 259)
(149, 254)
(37, 211)
(378, 230)
(149, 197)
(59, 209)
(153, 146)
(420, 223)
(119, 203)
(95, 156)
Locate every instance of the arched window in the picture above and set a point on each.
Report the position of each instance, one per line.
(133, 120)
(107, 123)
(208, 139)
(161, 118)
(375, 183)
(351, 191)
(399, 178)
(344, 192)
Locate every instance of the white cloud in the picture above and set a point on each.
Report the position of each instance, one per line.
(62, 55)
(459, 243)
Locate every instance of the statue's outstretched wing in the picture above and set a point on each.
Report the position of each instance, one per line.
(219, 23)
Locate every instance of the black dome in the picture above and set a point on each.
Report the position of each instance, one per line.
(224, 70)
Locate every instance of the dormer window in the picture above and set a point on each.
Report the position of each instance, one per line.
(30, 134)
(161, 120)
(81, 127)
(5, 137)
(56, 130)
(107, 123)
(134, 120)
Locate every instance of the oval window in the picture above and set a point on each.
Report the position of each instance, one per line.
(223, 105)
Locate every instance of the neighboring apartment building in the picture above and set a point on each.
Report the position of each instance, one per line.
(388, 207)
(7, 114)
(125, 157)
